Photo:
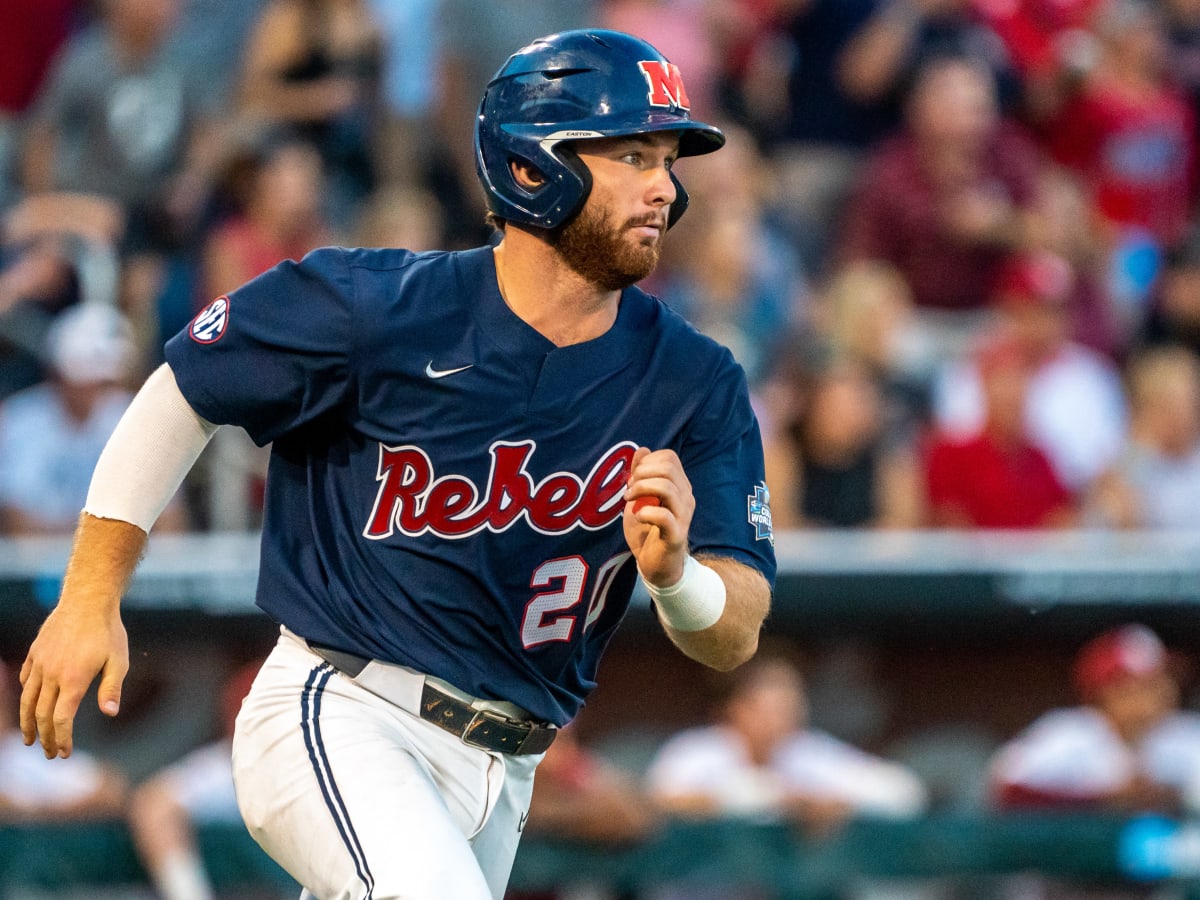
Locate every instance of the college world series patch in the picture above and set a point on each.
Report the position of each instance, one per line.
(758, 506)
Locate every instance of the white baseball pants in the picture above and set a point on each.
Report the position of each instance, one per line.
(360, 799)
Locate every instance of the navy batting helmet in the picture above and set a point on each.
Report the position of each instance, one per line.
(573, 86)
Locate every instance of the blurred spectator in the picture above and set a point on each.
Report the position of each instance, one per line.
(843, 68)
(996, 477)
(946, 200)
(316, 65)
(36, 273)
(1062, 226)
(51, 434)
(887, 53)
(34, 30)
(400, 216)
(217, 31)
(33, 788)
(405, 144)
(844, 413)
(729, 271)
(783, 83)
(1128, 747)
(476, 40)
(1050, 44)
(578, 796)
(126, 114)
(1075, 405)
(166, 808)
(55, 250)
(1155, 483)
(753, 54)
(1174, 317)
(762, 759)
(830, 463)
(1129, 131)
(1183, 36)
(275, 188)
(868, 313)
(788, 90)
(123, 115)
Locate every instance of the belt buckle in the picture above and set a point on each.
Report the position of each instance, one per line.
(486, 715)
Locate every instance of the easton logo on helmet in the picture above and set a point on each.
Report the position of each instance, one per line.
(666, 84)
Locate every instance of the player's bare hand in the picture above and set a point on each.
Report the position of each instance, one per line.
(74, 645)
(658, 514)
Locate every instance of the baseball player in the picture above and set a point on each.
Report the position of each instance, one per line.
(474, 456)
(1127, 746)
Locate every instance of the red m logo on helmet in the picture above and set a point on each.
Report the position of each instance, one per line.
(666, 84)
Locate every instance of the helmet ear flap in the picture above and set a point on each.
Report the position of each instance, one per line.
(574, 195)
(578, 194)
(679, 207)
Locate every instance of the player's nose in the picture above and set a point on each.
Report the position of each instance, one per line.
(661, 191)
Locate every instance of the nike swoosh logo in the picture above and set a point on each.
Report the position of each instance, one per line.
(442, 373)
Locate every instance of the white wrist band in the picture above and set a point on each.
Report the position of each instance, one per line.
(694, 602)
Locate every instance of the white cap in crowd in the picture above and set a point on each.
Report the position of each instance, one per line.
(90, 343)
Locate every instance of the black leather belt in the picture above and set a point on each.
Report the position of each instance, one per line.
(482, 728)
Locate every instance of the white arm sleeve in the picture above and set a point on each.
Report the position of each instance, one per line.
(155, 444)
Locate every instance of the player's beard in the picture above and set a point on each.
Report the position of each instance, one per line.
(605, 254)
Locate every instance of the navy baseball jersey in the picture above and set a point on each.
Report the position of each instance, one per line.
(445, 486)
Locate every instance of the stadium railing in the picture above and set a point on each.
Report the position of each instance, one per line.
(866, 582)
(1095, 850)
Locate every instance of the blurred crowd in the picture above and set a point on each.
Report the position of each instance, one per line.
(1121, 743)
(954, 243)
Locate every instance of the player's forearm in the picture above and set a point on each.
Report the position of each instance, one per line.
(733, 638)
(103, 558)
(153, 446)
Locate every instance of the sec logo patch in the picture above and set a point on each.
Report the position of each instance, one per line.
(210, 322)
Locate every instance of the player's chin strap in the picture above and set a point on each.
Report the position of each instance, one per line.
(695, 601)
(156, 443)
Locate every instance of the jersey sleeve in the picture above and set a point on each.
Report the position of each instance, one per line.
(722, 455)
(274, 354)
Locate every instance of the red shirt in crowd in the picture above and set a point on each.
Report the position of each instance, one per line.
(1136, 155)
(1033, 31)
(993, 486)
(251, 252)
(896, 214)
(33, 31)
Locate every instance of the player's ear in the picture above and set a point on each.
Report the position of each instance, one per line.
(526, 174)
